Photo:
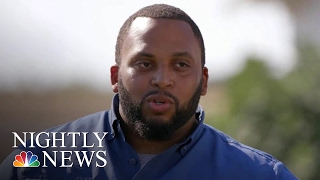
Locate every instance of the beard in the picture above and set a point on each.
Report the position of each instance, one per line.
(152, 128)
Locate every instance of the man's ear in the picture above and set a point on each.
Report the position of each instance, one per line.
(114, 77)
(205, 77)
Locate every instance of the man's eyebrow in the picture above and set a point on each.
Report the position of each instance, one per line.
(182, 54)
(175, 54)
(144, 54)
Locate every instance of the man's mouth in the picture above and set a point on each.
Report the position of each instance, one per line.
(160, 99)
(159, 103)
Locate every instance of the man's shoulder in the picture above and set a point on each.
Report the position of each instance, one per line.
(223, 141)
(234, 156)
(50, 143)
(84, 123)
(72, 135)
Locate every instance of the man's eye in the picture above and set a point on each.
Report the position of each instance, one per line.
(144, 64)
(181, 65)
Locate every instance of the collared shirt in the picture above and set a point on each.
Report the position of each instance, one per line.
(206, 154)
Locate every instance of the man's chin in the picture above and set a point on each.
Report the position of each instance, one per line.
(158, 121)
(155, 129)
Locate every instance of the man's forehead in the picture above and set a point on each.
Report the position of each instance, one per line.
(144, 24)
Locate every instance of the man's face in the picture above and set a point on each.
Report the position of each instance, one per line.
(160, 79)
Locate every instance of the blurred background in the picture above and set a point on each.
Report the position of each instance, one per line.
(263, 57)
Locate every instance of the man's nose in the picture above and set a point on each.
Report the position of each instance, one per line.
(162, 78)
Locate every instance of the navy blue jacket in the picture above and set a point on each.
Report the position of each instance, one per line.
(206, 154)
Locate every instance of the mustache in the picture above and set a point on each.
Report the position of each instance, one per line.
(165, 93)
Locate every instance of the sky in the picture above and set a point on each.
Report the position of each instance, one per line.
(52, 44)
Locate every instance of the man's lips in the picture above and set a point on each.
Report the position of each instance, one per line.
(159, 103)
(159, 98)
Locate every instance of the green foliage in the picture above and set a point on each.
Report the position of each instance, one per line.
(280, 116)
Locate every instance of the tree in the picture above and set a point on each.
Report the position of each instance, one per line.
(280, 116)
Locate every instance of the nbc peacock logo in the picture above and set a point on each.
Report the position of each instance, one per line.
(26, 159)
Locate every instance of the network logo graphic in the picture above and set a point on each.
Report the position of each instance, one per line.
(26, 159)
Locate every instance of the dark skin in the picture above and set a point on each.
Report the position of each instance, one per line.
(164, 55)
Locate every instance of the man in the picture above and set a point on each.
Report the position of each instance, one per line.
(155, 128)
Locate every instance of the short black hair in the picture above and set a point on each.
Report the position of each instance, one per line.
(158, 11)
